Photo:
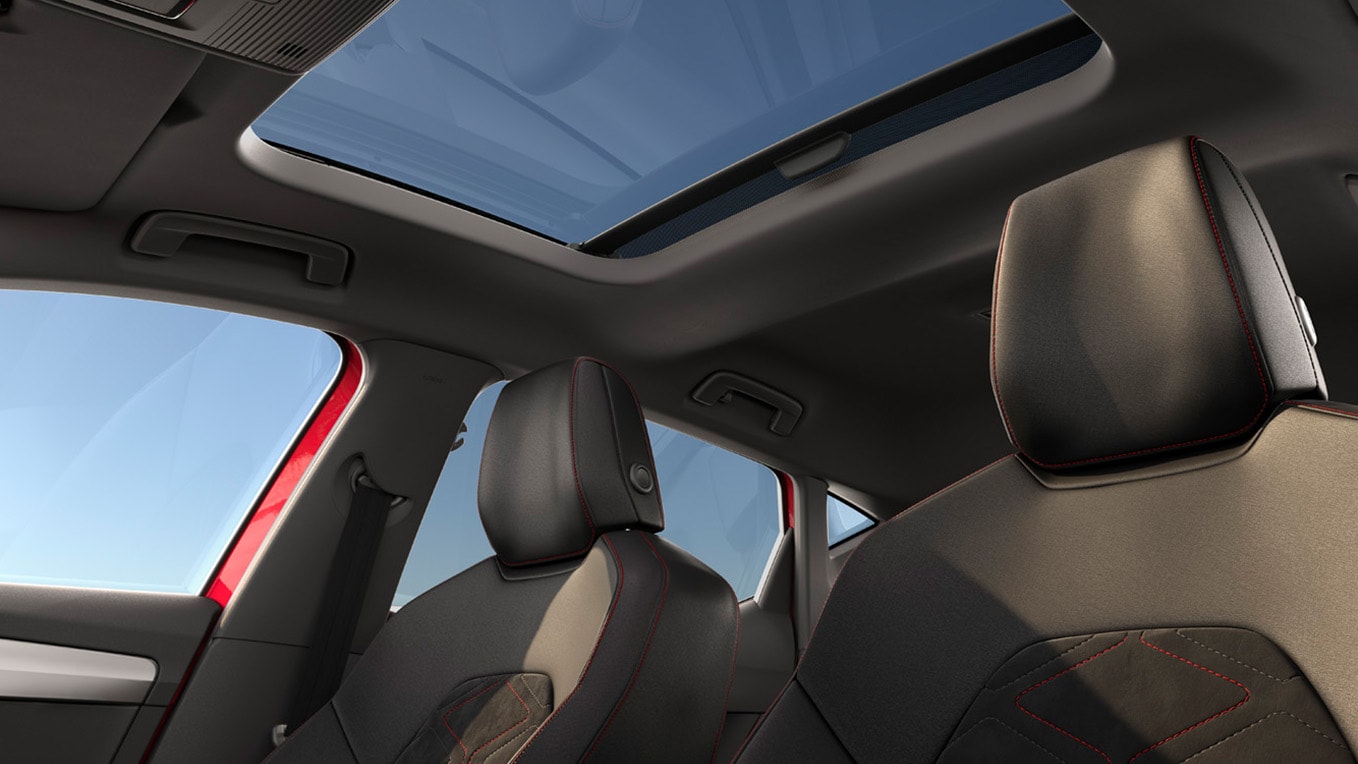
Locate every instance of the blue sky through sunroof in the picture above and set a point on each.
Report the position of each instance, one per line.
(568, 117)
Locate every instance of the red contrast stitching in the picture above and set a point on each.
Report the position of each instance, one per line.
(454, 709)
(1240, 310)
(1218, 714)
(527, 712)
(469, 756)
(617, 594)
(664, 590)
(1018, 699)
(730, 680)
(575, 471)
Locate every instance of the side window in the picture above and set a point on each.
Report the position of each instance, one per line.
(719, 506)
(722, 508)
(136, 436)
(846, 520)
(450, 538)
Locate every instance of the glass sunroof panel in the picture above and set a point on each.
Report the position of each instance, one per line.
(567, 117)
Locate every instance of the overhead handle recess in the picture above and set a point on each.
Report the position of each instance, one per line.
(163, 234)
(720, 386)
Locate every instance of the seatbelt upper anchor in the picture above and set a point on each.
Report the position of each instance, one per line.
(362, 478)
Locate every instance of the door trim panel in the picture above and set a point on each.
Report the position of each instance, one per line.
(37, 671)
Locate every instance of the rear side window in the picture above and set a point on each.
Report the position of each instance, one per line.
(135, 436)
(719, 506)
(845, 520)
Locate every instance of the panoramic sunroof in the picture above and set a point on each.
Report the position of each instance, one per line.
(571, 117)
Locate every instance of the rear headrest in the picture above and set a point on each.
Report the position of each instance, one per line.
(1141, 307)
(567, 458)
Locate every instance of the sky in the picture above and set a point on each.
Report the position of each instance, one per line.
(567, 117)
(136, 436)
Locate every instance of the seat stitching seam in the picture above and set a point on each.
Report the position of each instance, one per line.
(1181, 633)
(1049, 662)
(339, 722)
(1190, 728)
(516, 736)
(730, 679)
(527, 714)
(1300, 721)
(529, 688)
(645, 650)
(1018, 699)
(617, 595)
(454, 709)
(1011, 729)
(811, 642)
(1244, 323)
(575, 472)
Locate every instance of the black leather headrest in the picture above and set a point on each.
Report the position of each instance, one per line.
(567, 457)
(1141, 307)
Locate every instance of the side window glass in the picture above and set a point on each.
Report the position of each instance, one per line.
(722, 508)
(450, 538)
(846, 520)
(136, 436)
(719, 506)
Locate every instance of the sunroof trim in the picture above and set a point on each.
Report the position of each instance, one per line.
(996, 58)
(402, 185)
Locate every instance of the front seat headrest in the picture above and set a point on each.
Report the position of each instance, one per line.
(1142, 307)
(567, 458)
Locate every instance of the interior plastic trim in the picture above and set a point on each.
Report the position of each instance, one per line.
(37, 671)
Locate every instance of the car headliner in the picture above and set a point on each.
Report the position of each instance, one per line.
(860, 293)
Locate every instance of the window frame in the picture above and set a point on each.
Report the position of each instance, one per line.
(278, 492)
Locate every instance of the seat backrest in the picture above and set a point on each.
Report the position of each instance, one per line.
(585, 636)
(1165, 570)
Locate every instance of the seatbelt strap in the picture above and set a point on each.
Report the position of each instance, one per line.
(346, 587)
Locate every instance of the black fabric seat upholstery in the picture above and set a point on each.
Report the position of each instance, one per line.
(1166, 569)
(585, 637)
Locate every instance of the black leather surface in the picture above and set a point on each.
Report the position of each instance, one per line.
(637, 640)
(637, 644)
(1140, 312)
(1141, 307)
(483, 721)
(934, 601)
(1150, 695)
(655, 688)
(560, 450)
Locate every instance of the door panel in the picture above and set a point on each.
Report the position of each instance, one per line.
(78, 666)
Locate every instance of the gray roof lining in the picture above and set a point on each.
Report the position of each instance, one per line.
(855, 292)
